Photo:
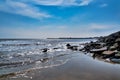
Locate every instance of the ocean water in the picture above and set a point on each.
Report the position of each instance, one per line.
(18, 55)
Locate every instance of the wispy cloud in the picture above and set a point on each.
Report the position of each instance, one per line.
(103, 5)
(63, 2)
(59, 2)
(24, 9)
(85, 2)
(28, 8)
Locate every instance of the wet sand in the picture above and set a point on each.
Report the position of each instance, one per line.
(79, 67)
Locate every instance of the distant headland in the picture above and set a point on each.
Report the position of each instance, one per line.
(75, 38)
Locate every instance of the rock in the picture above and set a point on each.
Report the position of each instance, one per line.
(68, 45)
(112, 48)
(92, 46)
(106, 47)
(115, 60)
(108, 52)
(96, 55)
(110, 39)
(117, 40)
(72, 47)
(117, 55)
(87, 48)
(55, 48)
(98, 50)
(45, 50)
(115, 45)
(82, 49)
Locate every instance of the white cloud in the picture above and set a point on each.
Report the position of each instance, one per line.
(103, 5)
(48, 2)
(64, 2)
(24, 9)
(59, 2)
(85, 2)
(28, 8)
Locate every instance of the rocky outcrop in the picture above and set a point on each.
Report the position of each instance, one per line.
(110, 39)
(107, 47)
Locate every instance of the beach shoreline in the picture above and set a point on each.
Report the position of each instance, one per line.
(69, 59)
(80, 66)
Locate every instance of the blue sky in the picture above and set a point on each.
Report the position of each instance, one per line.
(58, 18)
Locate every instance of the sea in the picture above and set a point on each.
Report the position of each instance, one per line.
(19, 55)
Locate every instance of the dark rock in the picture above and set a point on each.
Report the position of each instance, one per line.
(115, 60)
(117, 55)
(98, 50)
(55, 48)
(74, 48)
(45, 50)
(96, 55)
(108, 54)
(68, 45)
(111, 39)
(112, 48)
(105, 47)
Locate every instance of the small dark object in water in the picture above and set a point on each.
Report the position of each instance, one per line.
(68, 45)
(45, 50)
(55, 48)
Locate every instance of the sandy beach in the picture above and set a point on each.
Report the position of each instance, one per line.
(79, 67)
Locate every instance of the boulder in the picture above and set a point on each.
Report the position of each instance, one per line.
(115, 60)
(117, 55)
(117, 40)
(112, 48)
(98, 50)
(72, 47)
(108, 54)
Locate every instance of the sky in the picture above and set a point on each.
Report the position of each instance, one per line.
(58, 18)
